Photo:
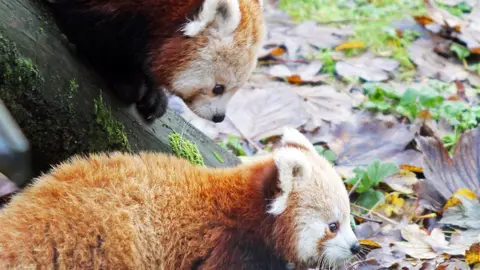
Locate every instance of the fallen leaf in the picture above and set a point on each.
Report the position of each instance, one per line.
(411, 168)
(402, 182)
(465, 215)
(363, 140)
(472, 255)
(432, 65)
(369, 244)
(367, 229)
(350, 45)
(280, 71)
(415, 245)
(455, 201)
(394, 204)
(278, 51)
(368, 67)
(325, 103)
(331, 36)
(303, 74)
(261, 113)
(445, 175)
(421, 245)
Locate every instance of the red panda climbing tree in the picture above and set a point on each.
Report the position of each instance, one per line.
(59, 103)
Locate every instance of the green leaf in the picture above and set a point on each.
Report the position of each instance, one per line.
(410, 96)
(461, 51)
(377, 171)
(369, 198)
(328, 154)
(234, 143)
(431, 99)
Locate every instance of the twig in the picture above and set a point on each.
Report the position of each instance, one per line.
(354, 187)
(367, 260)
(367, 219)
(376, 214)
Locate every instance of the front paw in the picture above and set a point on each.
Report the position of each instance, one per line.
(153, 104)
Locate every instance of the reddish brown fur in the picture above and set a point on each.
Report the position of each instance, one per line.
(143, 212)
(147, 48)
(170, 56)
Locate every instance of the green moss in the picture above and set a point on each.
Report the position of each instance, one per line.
(55, 131)
(186, 149)
(115, 130)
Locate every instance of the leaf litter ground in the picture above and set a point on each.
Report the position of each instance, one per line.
(388, 91)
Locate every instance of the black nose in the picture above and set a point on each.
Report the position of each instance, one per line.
(218, 118)
(355, 248)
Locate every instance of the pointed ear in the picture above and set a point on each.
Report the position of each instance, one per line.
(293, 138)
(293, 168)
(226, 13)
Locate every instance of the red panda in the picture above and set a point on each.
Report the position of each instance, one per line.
(155, 211)
(200, 50)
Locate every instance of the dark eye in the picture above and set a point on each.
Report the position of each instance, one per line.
(219, 89)
(333, 227)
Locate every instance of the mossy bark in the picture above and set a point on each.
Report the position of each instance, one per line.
(59, 103)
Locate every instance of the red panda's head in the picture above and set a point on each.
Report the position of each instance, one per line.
(311, 208)
(215, 55)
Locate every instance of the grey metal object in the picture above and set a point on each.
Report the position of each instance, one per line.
(15, 159)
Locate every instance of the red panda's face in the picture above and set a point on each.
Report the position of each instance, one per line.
(226, 37)
(209, 82)
(316, 203)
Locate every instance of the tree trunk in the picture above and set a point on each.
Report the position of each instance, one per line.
(58, 101)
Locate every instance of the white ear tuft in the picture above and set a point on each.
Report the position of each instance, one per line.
(293, 168)
(293, 136)
(226, 11)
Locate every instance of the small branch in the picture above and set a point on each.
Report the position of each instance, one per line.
(376, 214)
(354, 187)
(367, 219)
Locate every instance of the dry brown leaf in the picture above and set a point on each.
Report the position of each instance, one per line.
(302, 74)
(421, 245)
(363, 140)
(472, 256)
(277, 51)
(415, 245)
(325, 103)
(445, 175)
(434, 66)
(261, 113)
(455, 201)
(402, 182)
(331, 36)
(368, 67)
(411, 168)
(440, 21)
(370, 244)
(465, 215)
(441, 16)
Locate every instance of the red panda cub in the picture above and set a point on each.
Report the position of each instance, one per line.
(155, 211)
(200, 50)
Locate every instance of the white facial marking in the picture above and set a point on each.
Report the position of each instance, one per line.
(293, 168)
(338, 248)
(322, 199)
(210, 10)
(293, 136)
